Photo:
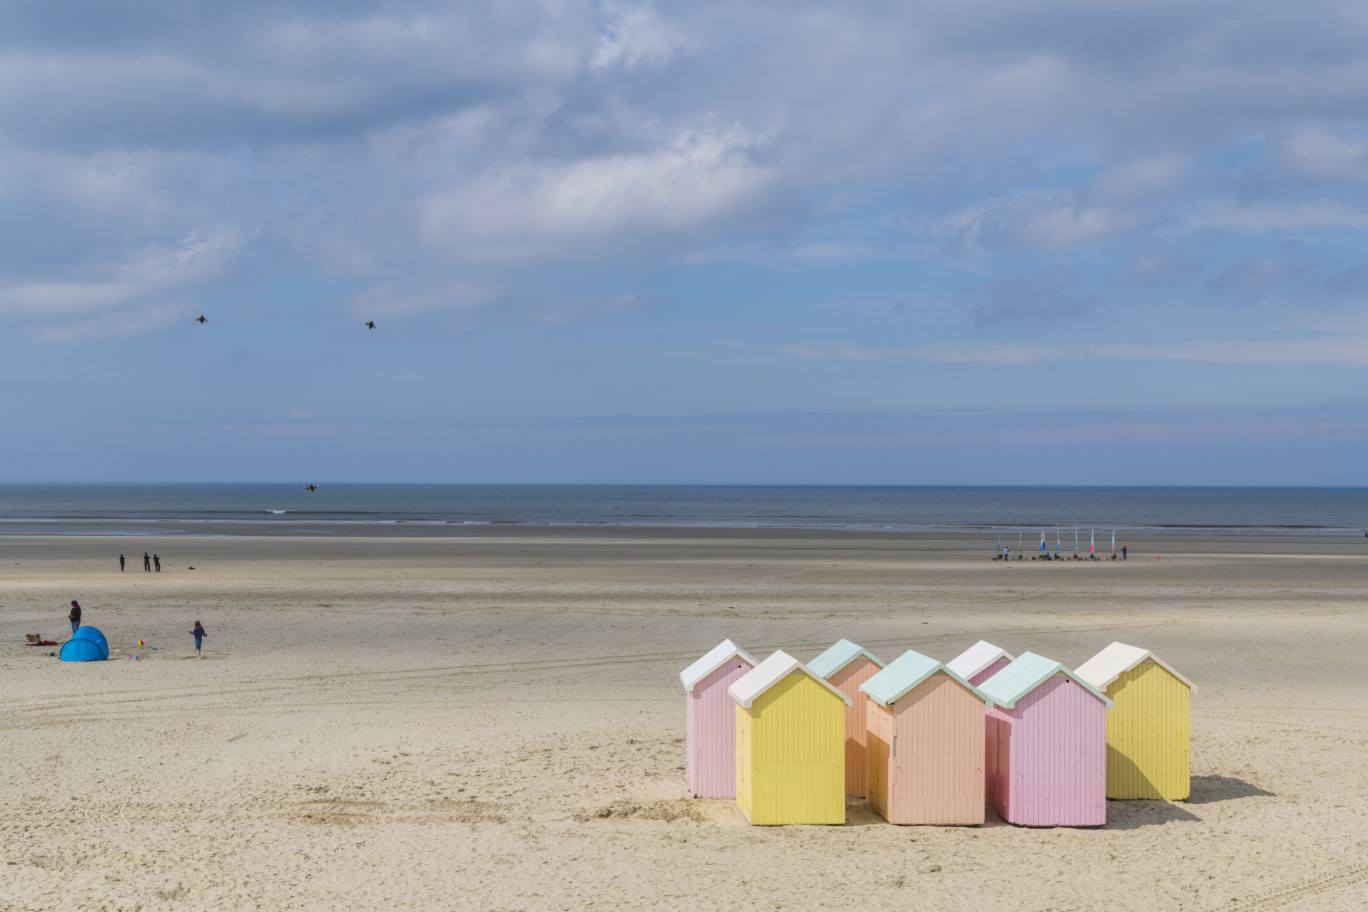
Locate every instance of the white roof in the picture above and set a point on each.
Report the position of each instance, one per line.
(1117, 659)
(718, 656)
(976, 658)
(770, 672)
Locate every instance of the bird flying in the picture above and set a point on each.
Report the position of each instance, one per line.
(369, 324)
(201, 319)
(311, 488)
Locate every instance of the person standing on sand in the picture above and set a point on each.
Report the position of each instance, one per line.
(157, 560)
(75, 616)
(147, 563)
(198, 634)
(121, 563)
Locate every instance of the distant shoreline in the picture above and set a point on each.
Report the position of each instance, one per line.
(1018, 514)
(426, 529)
(944, 543)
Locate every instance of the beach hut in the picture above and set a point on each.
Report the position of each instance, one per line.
(979, 662)
(1149, 739)
(846, 666)
(790, 744)
(925, 743)
(1046, 745)
(710, 720)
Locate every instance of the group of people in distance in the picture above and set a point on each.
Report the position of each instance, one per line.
(1005, 555)
(148, 563)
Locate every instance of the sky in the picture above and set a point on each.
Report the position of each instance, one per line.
(988, 242)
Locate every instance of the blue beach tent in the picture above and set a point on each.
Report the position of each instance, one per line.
(86, 645)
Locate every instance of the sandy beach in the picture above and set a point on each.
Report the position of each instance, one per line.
(494, 721)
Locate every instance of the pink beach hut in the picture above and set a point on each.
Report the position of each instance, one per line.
(1046, 745)
(977, 664)
(925, 743)
(710, 720)
(846, 666)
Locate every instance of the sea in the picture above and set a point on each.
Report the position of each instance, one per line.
(340, 509)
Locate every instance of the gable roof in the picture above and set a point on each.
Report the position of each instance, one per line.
(839, 656)
(904, 673)
(770, 672)
(1027, 673)
(1117, 659)
(718, 656)
(976, 658)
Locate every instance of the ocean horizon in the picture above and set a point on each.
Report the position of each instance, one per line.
(1055, 511)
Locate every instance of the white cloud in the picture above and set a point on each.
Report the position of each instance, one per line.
(635, 35)
(689, 185)
(155, 273)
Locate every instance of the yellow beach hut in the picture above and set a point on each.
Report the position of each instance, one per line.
(847, 666)
(1149, 737)
(790, 744)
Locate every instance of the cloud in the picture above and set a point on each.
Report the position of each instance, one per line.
(1122, 199)
(1264, 218)
(1315, 153)
(520, 211)
(635, 36)
(407, 148)
(159, 273)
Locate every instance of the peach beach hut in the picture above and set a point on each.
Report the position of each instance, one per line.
(790, 744)
(847, 666)
(1149, 733)
(925, 743)
(979, 662)
(710, 720)
(1046, 745)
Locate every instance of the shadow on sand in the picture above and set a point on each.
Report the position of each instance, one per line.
(1131, 814)
(1210, 789)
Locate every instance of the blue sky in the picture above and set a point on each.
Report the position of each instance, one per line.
(1110, 242)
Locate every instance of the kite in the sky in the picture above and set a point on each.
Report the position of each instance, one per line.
(201, 319)
(369, 324)
(311, 488)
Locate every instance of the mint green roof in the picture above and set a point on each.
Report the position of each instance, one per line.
(838, 657)
(1024, 675)
(905, 673)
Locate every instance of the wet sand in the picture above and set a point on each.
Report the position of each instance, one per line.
(493, 720)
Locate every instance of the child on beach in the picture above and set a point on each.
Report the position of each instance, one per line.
(198, 634)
